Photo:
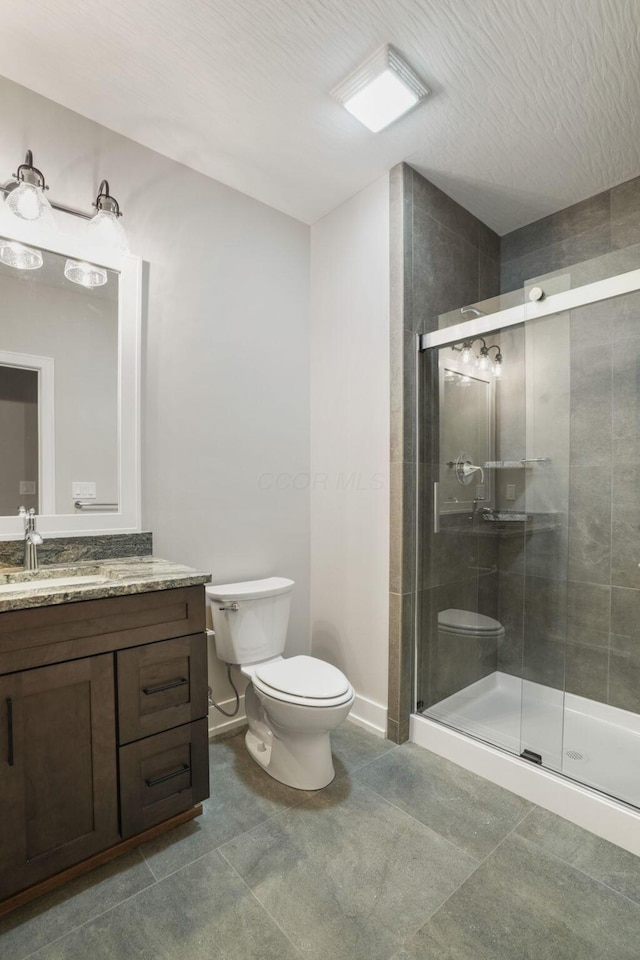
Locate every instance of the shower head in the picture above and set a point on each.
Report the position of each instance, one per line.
(472, 310)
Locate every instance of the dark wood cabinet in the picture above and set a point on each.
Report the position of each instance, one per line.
(58, 789)
(103, 731)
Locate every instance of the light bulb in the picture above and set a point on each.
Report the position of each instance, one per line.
(106, 230)
(28, 202)
(467, 355)
(16, 255)
(86, 274)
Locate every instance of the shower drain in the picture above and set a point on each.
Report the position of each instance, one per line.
(575, 755)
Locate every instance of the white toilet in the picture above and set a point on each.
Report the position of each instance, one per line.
(292, 705)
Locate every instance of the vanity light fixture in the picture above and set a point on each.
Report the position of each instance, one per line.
(25, 197)
(381, 90)
(84, 273)
(484, 362)
(105, 227)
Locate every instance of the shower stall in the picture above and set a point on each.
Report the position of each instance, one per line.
(528, 619)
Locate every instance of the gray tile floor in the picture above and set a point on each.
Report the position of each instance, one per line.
(404, 857)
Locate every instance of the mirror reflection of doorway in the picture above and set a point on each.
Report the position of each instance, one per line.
(18, 439)
(26, 433)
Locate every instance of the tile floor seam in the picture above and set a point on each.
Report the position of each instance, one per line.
(360, 766)
(236, 836)
(473, 872)
(589, 876)
(261, 904)
(102, 913)
(512, 831)
(421, 822)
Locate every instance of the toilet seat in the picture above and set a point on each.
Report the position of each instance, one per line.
(302, 680)
(468, 623)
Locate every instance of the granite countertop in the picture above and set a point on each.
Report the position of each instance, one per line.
(21, 589)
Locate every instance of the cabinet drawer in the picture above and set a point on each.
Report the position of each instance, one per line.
(163, 775)
(161, 685)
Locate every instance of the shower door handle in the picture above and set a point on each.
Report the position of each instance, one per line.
(436, 507)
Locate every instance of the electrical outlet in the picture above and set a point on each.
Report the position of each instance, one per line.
(83, 490)
(28, 487)
(511, 491)
(480, 491)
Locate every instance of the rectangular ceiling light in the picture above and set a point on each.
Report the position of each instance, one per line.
(384, 88)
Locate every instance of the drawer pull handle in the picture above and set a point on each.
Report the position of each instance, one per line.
(10, 731)
(168, 776)
(149, 691)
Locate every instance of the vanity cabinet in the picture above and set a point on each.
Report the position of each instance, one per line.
(58, 791)
(103, 729)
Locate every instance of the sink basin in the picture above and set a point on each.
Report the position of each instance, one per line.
(50, 583)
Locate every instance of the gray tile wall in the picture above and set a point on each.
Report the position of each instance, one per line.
(596, 227)
(441, 257)
(585, 633)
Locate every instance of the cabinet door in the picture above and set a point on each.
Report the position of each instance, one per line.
(58, 782)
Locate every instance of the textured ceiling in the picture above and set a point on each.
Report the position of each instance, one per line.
(535, 103)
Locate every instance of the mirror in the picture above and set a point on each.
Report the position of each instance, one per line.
(58, 389)
(69, 368)
(467, 434)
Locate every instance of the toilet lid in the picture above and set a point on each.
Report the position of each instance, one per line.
(304, 677)
(468, 621)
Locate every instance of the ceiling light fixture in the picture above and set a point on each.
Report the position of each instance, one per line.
(25, 198)
(382, 89)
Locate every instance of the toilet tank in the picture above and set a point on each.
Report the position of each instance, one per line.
(250, 619)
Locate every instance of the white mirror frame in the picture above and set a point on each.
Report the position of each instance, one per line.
(127, 519)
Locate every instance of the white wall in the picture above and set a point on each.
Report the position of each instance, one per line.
(225, 341)
(350, 444)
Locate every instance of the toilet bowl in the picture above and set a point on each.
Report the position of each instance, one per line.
(292, 704)
(467, 648)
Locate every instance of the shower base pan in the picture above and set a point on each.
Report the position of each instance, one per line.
(590, 752)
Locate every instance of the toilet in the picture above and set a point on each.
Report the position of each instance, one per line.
(292, 704)
(466, 642)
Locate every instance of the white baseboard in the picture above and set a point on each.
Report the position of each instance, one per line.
(369, 715)
(218, 723)
(587, 808)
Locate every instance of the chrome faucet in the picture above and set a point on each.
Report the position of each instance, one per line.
(32, 539)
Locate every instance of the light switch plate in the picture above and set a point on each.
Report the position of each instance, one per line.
(83, 490)
(27, 487)
(511, 491)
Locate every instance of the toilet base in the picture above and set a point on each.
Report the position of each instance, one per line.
(303, 762)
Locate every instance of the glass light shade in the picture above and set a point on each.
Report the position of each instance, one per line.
(467, 355)
(497, 370)
(485, 363)
(106, 230)
(86, 274)
(15, 254)
(28, 202)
